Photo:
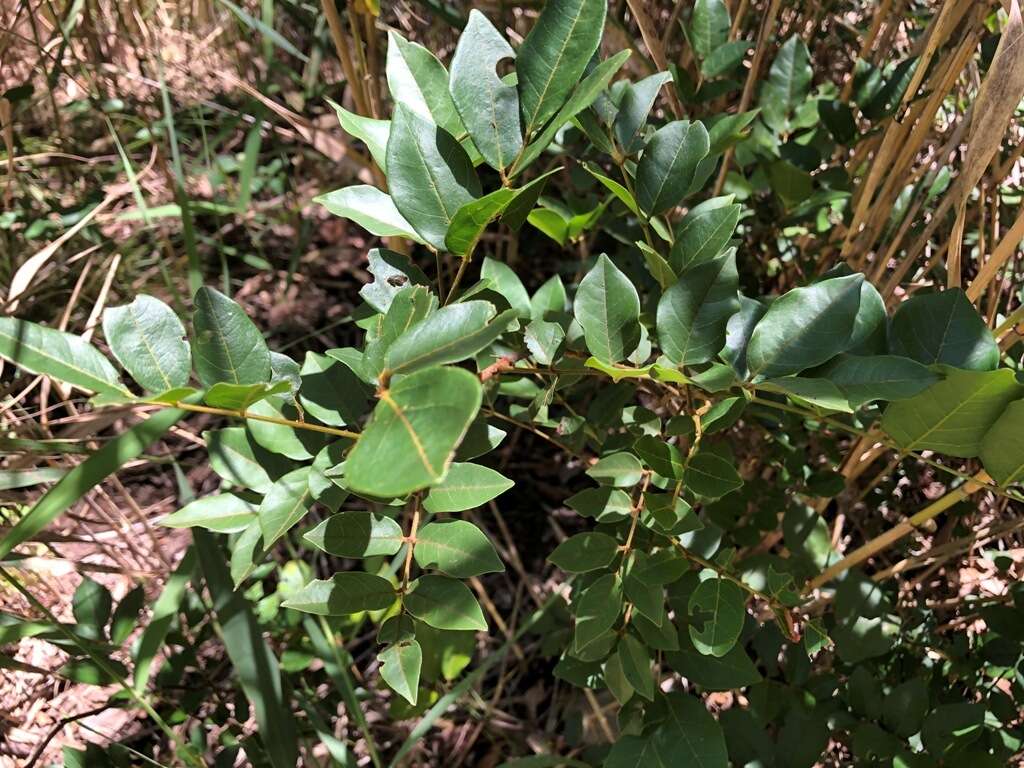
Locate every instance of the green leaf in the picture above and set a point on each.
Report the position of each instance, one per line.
(943, 328)
(709, 27)
(667, 167)
(228, 345)
(91, 605)
(551, 223)
(295, 443)
(543, 339)
(582, 97)
(429, 175)
(457, 547)
(821, 393)
(126, 615)
(636, 665)
(634, 106)
(704, 232)
(724, 58)
(711, 476)
(623, 194)
(400, 668)
(1002, 447)
(392, 272)
(373, 133)
(464, 487)
(620, 469)
(805, 327)
(410, 306)
(954, 415)
(505, 281)
(331, 392)
(738, 331)
(224, 513)
(238, 397)
(597, 609)
(555, 54)
(719, 606)
(342, 594)
(287, 502)
(444, 603)
(451, 334)
(470, 221)
(419, 82)
(256, 667)
(414, 431)
(59, 355)
(356, 534)
(878, 377)
(664, 458)
(657, 265)
(489, 106)
(85, 476)
(690, 735)
(370, 208)
(732, 670)
(234, 458)
(148, 340)
(693, 313)
(607, 307)
(786, 87)
(585, 552)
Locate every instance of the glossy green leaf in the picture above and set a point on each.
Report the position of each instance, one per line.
(286, 503)
(585, 552)
(489, 106)
(597, 609)
(505, 281)
(805, 327)
(693, 313)
(709, 27)
(392, 272)
(429, 175)
(444, 603)
(456, 547)
(879, 377)
(711, 476)
(126, 615)
(704, 232)
(413, 432)
(62, 356)
(544, 340)
(1002, 447)
(370, 208)
(228, 345)
(634, 107)
(373, 133)
(666, 169)
(234, 458)
(732, 670)
(281, 439)
(554, 55)
(331, 392)
(607, 307)
(718, 608)
(356, 534)
(953, 415)
(224, 513)
(344, 593)
(619, 469)
(400, 665)
(148, 340)
(419, 82)
(943, 328)
(238, 397)
(582, 97)
(91, 605)
(464, 487)
(786, 85)
(821, 393)
(664, 458)
(449, 335)
(617, 189)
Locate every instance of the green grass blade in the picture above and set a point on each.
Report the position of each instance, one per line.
(164, 611)
(87, 475)
(254, 661)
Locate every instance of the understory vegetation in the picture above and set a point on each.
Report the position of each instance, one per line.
(558, 383)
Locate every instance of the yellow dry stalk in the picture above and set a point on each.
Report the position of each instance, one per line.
(997, 100)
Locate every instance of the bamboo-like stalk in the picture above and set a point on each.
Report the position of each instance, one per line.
(894, 534)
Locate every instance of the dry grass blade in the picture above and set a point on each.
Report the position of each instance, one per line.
(999, 96)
